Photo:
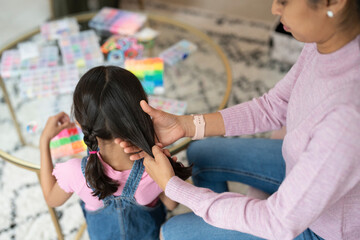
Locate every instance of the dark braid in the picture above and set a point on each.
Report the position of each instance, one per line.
(102, 184)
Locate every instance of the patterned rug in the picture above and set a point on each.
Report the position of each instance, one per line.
(246, 44)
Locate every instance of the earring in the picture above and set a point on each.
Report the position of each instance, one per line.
(330, 14)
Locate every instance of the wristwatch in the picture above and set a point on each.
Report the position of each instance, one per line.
(199, 123)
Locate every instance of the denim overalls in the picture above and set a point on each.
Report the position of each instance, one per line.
(122, 217)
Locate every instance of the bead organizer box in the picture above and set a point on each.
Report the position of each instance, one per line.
(178, 52)
(150, 72)
(28, 50)
(68, 142)
(12, 65)
(44, 82)
(49, 57)
(82, 50)
(56, 29)
(116, 21)
(168, 105)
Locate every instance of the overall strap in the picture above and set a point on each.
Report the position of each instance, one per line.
(83, 165)
(134, 179)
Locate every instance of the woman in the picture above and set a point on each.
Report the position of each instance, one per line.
(314, 181)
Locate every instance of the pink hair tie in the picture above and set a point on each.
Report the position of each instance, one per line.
(93, 152)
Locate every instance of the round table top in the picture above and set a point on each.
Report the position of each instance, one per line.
(192, 80)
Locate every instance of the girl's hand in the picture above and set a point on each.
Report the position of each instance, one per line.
(159, 169)
(54, 125)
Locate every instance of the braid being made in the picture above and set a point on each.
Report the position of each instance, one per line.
(102, 184)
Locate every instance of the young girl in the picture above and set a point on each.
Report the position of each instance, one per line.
(119, 199)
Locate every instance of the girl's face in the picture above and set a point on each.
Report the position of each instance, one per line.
(305, 23)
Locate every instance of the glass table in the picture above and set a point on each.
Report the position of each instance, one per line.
(203, 81)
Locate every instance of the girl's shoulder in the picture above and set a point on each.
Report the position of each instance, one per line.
(69, 175)
(71, 165)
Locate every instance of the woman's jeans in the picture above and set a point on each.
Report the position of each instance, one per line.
(255, 162)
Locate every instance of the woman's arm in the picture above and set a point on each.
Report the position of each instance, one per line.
(267, 112)
(169, 128)
(325, 171)
(214, 124)
(53, 194)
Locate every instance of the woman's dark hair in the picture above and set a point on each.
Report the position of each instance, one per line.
(107, 105)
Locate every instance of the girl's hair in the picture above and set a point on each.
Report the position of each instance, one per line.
(350, 13)
(107, 105)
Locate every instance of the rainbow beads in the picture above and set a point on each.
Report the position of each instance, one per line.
(67, 142)
(150, 72)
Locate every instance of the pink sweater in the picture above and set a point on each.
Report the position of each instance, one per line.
(319, 103)
(71, 179)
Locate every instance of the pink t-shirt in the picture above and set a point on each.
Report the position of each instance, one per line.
(71, 179)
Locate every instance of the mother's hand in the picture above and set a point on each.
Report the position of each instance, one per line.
(168, 127)
(159, 168)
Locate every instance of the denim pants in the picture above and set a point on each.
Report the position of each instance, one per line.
(255, 162)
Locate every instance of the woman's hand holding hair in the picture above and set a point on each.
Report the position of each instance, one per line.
(168, 128)
(159, 168)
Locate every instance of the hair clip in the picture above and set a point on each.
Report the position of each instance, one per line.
(93, 152)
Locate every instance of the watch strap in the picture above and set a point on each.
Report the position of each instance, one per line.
(199, 123)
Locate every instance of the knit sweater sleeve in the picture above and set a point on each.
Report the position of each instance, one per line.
(267, 112)
(327, 169)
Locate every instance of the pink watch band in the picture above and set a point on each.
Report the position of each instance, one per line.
(199, 127)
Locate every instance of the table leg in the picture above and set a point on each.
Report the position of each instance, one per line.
(81, 231)
(12, 112)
